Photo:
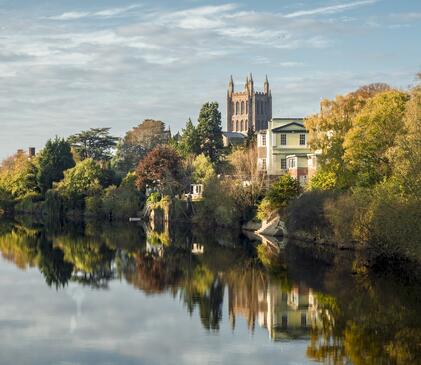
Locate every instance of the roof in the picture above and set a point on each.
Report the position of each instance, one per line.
(283, 128)
(234, 135)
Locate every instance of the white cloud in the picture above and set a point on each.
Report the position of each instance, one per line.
(330, 9)
(290, 64)
(106, 13)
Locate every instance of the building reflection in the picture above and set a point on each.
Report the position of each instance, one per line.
(286, 313)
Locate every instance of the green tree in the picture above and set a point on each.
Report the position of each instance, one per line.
(81, 180)
(203, 170)
(251, 138)
(95, 143)
(373, 133)
(137, 143)
(54, 159)
(209, 131)
(279, 195)
(189, 142)
(160, 169)
(323, 180)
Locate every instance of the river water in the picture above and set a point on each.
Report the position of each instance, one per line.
(90, 294)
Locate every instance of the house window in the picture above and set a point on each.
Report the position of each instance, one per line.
(302, 139)
(291, 163)
(263, 164)
(283, 163)
(263, 139)
(283, 139)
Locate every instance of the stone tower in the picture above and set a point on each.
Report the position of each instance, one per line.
(248, 108)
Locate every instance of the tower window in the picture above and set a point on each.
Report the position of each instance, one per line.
(283, 139)
(302, 139)
(242, 107)
(237, 107)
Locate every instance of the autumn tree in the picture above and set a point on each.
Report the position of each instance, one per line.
(327, 130)
(161, 169)
(405, 156)
(373, 133)
(138, 142)
(53, 160)
(18, 175)
(209, 131)
(96, 143)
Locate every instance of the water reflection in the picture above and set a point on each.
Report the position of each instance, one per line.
(343, 318)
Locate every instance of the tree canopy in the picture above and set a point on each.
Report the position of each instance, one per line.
(209, 131)
(96, 143)
(160, 169)
(53, 160)
(138, 142)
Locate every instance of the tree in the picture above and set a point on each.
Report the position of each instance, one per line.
(209, 131)
(81, 180)
(18, 175)
(327, 130)
(95, 143)
(160, 169)
(406, 154)
(251, 138)
(323, 180)
(203, 170)
(189, 141)
(138, 142)
(54, 159)
(279, 195)
(373, 133)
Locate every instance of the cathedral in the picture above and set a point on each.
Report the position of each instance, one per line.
(248, 108)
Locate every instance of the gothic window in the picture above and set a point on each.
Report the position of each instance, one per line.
(242, 107)
(237, 107)
(242, 126)
(232, 108)
(283, 139)
(236, 125)
(247, 107)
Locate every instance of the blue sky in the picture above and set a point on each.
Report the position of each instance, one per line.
(71, 65)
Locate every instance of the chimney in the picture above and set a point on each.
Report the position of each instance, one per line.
(31, 152)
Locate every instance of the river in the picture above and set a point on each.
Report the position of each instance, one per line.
(117, 294)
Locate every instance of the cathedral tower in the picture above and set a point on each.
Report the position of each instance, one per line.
(248, 109)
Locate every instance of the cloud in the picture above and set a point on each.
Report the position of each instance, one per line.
(290, 64)
(106, 13)
(330, 9)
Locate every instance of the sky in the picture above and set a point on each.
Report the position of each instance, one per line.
(67, 66)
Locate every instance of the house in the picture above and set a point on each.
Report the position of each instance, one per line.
(283, 148)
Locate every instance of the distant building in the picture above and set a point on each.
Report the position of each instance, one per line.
(231, 139)
(248, 108)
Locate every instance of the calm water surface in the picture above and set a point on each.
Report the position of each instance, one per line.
(117, 295)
